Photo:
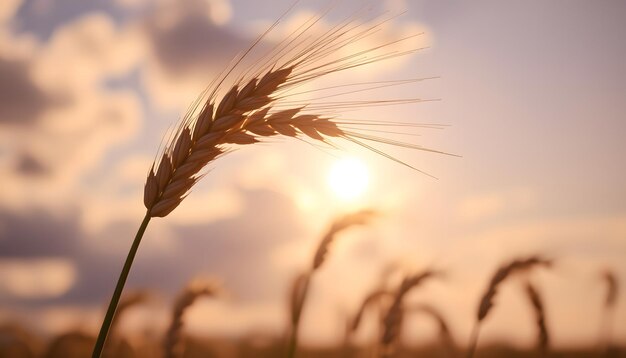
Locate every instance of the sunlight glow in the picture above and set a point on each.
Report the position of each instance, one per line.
(348, 178)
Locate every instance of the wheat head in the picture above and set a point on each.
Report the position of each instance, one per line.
(361, 217)
(515, 266)
(487, 300)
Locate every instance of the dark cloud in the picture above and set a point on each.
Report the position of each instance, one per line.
(194, 44)
(42, 18)
(20, 99)
(38, 234)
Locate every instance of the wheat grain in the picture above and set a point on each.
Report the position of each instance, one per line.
(173, 345)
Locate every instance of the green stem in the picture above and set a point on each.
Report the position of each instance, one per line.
(108, 319)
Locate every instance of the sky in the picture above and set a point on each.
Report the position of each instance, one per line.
(530, 93)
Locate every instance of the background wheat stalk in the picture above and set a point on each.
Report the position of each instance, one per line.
(128, 301)
(445, 336)
(173, 345)
(246, 105)
(300, 286)
(487, 302)
(536, 301)
(392, 321)
(370, 300)
(606, 327)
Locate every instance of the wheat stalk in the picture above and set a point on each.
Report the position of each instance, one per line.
(173, 345)
(301, 284)
(247, 105)
(543, 338)
(127, 301)
(392, 321)
(379, 298)
(371, 299)
(444, 329)
(610, 300)
(487, 301)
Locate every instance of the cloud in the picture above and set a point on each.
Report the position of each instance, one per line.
(57, 118)
(21, 100)
(495, 204)
(36, 278)
(28, 165)
(51, 237)
(186, 48)
(8, 8)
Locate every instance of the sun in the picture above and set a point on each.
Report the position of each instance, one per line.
(348, 178)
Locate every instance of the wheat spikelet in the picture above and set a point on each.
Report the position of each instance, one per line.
(487, 301)
(173, 345)
(259, 104)
(392, 322)
(540, 318)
